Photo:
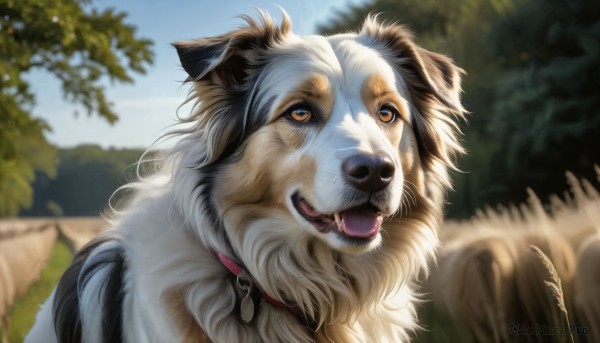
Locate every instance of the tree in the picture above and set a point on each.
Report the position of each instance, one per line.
(87, 176)
(79, 45)
(546, 116)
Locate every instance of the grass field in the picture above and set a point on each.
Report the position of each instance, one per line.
(25, 308)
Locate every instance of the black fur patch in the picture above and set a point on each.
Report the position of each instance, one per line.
(195, 59)
(66, 306)
(206, 185)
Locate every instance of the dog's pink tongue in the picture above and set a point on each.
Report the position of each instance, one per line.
(360, 224)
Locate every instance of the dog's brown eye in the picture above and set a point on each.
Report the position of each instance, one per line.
(300, 114)
(387, 114)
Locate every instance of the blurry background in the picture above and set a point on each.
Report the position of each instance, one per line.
(87, 86)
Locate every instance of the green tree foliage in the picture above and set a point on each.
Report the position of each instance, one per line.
(86, 178)
(432, 19)
(23, 150)
(79, 45)
(546, 116)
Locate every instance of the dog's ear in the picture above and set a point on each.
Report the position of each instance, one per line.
(433, 83)
(201, 56)
(223, 70)
(227, 60)
(442, 76)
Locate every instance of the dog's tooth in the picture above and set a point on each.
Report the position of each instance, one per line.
(337, 218)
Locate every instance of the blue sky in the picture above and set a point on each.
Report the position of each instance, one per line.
(148, 106)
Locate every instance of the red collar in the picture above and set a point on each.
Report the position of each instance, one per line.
(236, 270)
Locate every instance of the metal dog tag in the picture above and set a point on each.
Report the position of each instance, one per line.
(245, 283)
(247, 308)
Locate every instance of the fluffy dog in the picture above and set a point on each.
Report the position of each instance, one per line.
(302, 206)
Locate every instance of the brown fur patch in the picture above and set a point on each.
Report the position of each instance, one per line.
(189, 330)
(376, 91)
(315, 90)
(411, 162)
(292, 136)
(265, 171)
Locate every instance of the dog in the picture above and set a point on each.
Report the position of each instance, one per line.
(301, 205)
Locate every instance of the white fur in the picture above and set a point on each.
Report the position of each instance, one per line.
(356, 294)
(43, 330)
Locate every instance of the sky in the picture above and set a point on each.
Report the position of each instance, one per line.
(148, 107)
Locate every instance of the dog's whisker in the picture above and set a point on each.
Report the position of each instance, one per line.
(408, 190)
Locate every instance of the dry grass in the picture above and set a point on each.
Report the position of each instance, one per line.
(22, 258)
(554, 297)
(490, 279)
(25, 308)
(78, 231)
(587, 283)
(25, 246)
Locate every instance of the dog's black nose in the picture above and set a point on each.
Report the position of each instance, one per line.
(368, 173)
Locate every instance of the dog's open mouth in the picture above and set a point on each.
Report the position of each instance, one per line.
(362, 222)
